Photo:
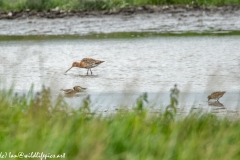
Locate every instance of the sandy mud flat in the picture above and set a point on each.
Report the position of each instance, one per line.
(141, 19)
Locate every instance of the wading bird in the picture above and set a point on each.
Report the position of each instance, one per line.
(216, 95)
(87, 63)
(79, 88)
(74, 90)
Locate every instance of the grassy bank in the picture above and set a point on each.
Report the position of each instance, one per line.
(117, 35)
(35, 124)
(102, 4)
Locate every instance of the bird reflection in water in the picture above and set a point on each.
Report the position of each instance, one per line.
(217, 107)
(216, 104)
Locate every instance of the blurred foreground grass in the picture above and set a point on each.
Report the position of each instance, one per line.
(102, 4)
(37, 124)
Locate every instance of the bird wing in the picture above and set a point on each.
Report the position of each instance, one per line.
(214, 94)
(88, 60)
(217, 94)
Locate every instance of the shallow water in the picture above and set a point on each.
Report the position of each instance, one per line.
(198, 64)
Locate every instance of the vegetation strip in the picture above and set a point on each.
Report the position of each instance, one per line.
(103, 4)
(36, 124)
(12, 9)
(116, 35)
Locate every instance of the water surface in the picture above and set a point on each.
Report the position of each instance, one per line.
(198, 64)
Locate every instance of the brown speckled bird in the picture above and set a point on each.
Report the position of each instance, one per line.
(216, 95)
(74, 90)
(79, 88)
(87, 63)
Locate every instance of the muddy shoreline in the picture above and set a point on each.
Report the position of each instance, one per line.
(173, 9)
(146, 19)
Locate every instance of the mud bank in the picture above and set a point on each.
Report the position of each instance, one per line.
(174, 9)
(162, 19)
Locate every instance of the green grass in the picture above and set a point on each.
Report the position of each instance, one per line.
(102, 4)
(39, 124)
(116, 35)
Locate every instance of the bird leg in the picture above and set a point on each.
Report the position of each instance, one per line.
(91, 71)
(87, 71)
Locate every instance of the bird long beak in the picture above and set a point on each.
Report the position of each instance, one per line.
(69, 69)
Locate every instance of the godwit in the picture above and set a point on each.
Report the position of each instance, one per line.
(74, 90)
(216, 95)
(87, 63)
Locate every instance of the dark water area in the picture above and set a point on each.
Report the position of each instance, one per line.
(113, 102)
(157, 101)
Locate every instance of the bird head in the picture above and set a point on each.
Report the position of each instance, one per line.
(209, 97)
(74, 64)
